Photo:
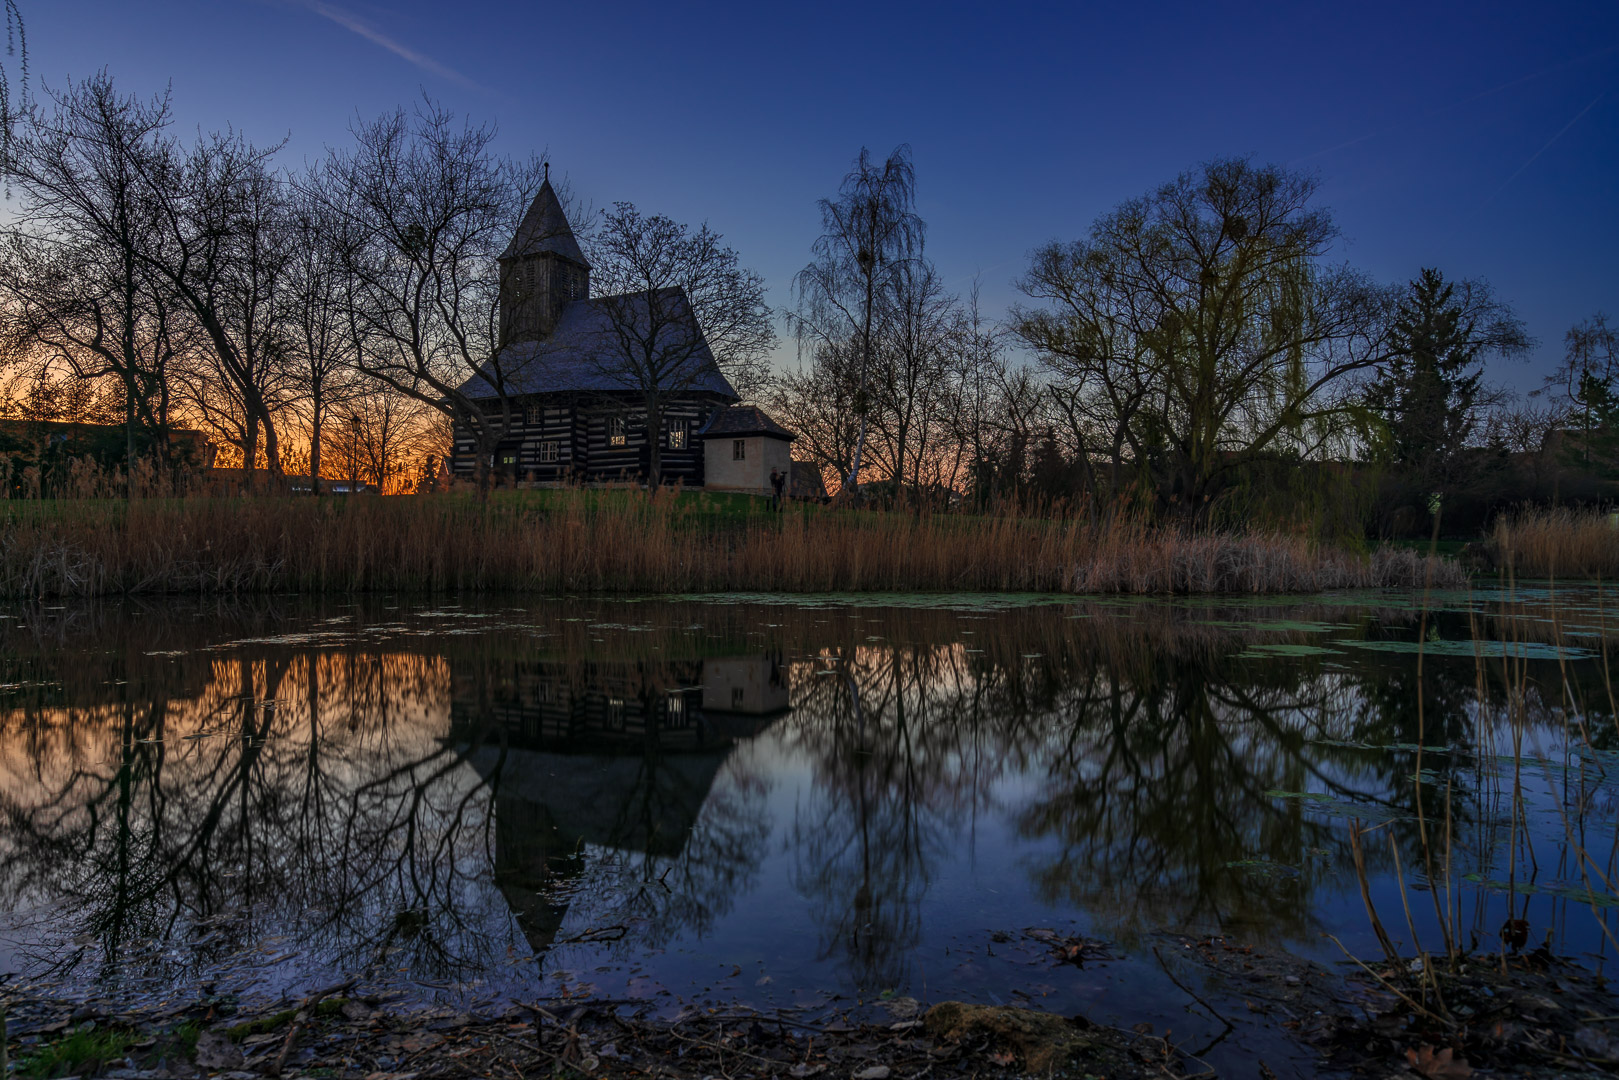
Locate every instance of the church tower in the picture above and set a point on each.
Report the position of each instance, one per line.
(541, 271)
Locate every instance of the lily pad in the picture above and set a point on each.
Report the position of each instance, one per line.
(1489, 650)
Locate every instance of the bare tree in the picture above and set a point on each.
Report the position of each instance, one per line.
(218, 241)
(322, 342)
(867, 232)
(380, 432)
(71, 269)
(816, 403)
(679, 309)
(1205, 326)
(916, 325)
(990, 406)
(422, 209)
(1586, 387)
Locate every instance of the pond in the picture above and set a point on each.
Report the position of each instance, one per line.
(797, 802)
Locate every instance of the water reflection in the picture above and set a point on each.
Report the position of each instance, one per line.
(481, 797)
(616, 760)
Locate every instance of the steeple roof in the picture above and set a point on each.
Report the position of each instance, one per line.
(545, 229)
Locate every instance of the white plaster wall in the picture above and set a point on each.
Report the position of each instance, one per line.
(743, 684)
(721, 473)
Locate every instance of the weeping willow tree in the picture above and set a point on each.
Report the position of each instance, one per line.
(870, 234)
(11, 106)
(1198, 332)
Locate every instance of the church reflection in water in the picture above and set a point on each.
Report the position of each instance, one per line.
(442, 796)
(603, 757)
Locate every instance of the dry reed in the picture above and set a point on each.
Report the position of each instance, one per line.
(578, 541)
(1559, 543)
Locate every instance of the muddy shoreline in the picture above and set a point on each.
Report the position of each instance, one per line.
(1525, 1014)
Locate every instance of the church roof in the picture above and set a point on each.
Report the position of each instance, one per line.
(736, 420)
(578, 354)
(545, 228)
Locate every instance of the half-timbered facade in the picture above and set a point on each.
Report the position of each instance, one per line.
(577, 415)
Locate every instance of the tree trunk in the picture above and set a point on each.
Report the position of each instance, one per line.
(317, 411)
(654, 433)
(272, 446)
(129, 440)
(250, 454)
(852, 484)
(486, 453)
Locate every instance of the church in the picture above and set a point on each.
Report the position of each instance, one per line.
(579, 414)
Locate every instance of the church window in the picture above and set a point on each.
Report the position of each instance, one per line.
(508, 459)
(738, 698)
(739, 449)
(615, 431)
(548, 452)
(534, 416)
(677, 434)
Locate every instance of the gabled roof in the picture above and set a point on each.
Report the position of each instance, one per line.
(545, 229)
(578, 354)
(738, 420)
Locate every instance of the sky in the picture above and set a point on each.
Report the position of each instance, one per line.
(1480, 138)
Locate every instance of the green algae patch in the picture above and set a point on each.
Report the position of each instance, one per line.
(1488, 650)
(1579, 894)
(1266, 650)
(930, 601)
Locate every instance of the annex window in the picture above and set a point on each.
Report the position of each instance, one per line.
(739, 449)
(677, 434)
(615, 431)
(736, 698)
(548, 452)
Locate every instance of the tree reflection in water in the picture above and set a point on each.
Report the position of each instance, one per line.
(248, 793)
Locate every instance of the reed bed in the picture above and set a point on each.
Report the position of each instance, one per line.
(576, 541)
(1558, 544)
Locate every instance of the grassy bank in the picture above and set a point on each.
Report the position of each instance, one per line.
(1560, 544)
(586, 541)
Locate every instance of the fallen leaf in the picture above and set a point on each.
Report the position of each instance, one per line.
(876, 1072)
(1438, 1064)
(215, 1051)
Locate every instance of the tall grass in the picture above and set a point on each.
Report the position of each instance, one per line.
(1558, 544)
(576, 541)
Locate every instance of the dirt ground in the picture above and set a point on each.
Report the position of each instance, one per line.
(1524, 1015)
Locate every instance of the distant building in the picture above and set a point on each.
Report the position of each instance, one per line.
(108, 443)
(741, 445)
(581, 420)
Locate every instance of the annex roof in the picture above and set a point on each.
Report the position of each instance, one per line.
(545, 228)
(578, 354)
(735, 421)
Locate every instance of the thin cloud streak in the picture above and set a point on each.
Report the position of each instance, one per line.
(1543, 149)
(1441, 110)
(353, 23)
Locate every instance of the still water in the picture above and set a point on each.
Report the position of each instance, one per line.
(791, 802)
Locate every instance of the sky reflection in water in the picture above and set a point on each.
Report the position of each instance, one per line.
(782, 801)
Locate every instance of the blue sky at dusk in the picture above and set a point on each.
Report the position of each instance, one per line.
(1479, 138)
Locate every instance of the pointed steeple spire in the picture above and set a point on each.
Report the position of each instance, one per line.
(544, 229)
